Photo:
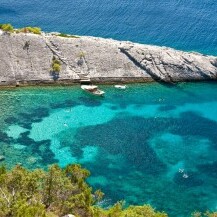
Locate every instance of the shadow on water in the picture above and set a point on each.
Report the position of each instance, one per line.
(41, 148)
(209, 169)
(181, 86)
(126, 137)
(5, 138)
(193, 180)
(25, 120)
(84, 101)
(64, 104)
(193, 124)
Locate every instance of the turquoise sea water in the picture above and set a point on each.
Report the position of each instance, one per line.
(182, 24)
(147, 144)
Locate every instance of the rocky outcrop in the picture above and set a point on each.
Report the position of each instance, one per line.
(27, 59)
(169, 65)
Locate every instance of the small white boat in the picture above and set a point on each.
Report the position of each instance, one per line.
(122, 87)
(93, 89)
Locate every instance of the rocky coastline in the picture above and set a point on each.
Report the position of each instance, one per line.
(26, 59)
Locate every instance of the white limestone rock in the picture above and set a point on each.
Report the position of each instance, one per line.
(27, 58)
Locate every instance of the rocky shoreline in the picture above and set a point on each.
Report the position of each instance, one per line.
(26, 59)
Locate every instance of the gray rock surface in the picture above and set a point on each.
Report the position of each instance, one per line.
(27, 59)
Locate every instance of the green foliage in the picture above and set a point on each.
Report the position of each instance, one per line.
(141, 211)
(36, 193)
(98, 195)
(7, 27)
(2, 170)
(81, 54)
(56, 65)
(34, 30)
(26, 210)
(211, 214)
(132, 211)
(60, 191)
(67, 35)
(17, 188)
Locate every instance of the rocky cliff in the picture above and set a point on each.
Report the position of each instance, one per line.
(27, 59)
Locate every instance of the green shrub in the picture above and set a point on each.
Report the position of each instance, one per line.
(7, 27)
(81, 54)
(67, 35)
(117, 210)
(56, 65)
(34, 30)
(60, 191)
(36, 193)
(57, 192)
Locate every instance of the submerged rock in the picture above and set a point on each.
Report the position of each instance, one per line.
(31, 160)
(2, 158)
(103, 60)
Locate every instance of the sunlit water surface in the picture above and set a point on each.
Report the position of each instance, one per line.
(149, 143)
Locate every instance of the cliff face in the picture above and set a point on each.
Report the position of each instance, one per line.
(27, 58)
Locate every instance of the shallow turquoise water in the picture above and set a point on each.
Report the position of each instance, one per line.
(135, 142)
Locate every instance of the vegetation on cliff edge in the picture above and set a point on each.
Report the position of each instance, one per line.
(34, 30)
(60, 191)
(7, 27)
(57, 192)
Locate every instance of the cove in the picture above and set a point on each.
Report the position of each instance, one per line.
(150, 143)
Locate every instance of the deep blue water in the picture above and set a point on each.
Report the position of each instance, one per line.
(182, 24)
(147, 144)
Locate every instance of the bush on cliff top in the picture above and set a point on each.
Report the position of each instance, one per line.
(7, 27)
(67, 35)
(34, 30)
